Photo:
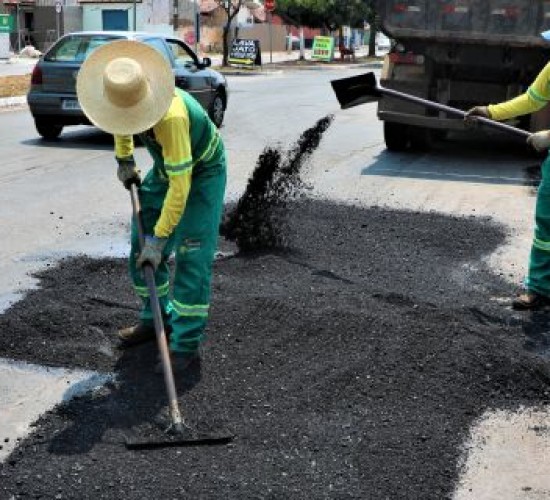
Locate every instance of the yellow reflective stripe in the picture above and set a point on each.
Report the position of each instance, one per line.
(162, 290)
(179, 172)
(208, 152)
(536, 96)
(175, 166)
(190, 309)
(541, 245)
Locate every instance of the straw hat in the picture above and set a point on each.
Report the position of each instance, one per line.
(125, 87)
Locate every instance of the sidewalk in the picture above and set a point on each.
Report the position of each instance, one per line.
(17, 66)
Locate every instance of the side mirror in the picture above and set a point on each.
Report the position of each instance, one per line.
(206, 62)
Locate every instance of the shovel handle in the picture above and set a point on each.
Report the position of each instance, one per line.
(149, 273)
(452, 111)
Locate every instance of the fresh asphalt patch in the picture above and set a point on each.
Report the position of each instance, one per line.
(351, 364)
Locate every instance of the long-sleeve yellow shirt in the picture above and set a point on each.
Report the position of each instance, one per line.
(172, 133)
(535, 98)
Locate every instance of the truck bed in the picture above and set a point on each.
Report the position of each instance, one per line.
(516, 23)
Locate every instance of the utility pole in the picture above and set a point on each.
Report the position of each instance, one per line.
(19, 27)
(197, 23)
(135, 14)
(175, 18)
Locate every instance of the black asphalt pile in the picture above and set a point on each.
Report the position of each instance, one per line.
(258, 222)
(350, 366)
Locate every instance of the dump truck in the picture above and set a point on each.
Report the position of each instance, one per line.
(460, 53)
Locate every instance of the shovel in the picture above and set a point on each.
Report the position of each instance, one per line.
(179, 433)
(364, 88)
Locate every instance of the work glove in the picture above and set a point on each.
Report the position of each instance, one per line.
(482, 111)
(151, 251)
(539, 140)
(127, 172)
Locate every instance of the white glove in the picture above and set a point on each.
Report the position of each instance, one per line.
(127, 172)
(151, 251)
(539, 140)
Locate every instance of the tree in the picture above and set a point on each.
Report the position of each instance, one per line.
(327, 14)
(232, 8)
(372, 19)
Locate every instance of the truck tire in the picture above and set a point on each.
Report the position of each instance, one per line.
(47, 129)
(421, 138)
(396, 136)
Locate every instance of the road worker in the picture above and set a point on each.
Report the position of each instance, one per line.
(536, 292)
(126, 88)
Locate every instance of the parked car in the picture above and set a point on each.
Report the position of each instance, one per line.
(52, 96)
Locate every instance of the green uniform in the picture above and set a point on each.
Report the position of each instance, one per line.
(536, 97)
(182, 200)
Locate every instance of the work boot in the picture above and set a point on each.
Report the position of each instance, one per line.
(528, 300)
(138, 334)
(181, 361)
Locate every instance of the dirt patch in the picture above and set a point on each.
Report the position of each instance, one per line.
(349, 366)
(13, 86)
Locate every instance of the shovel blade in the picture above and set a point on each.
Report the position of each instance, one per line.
(356, 90)
(148, 442)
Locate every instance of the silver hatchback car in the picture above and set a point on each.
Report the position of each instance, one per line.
(52, 96)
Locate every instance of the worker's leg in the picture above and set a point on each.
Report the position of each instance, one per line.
(152, 194)
(195, 247)
(538, 278)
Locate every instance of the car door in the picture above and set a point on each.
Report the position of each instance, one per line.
(190, 74)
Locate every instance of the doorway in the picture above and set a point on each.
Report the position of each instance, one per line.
(115, 20)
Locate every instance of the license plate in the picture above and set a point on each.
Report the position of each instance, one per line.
(70, 104)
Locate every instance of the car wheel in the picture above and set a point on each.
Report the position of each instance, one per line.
(396, 136)
(47, 129)
(216, 111)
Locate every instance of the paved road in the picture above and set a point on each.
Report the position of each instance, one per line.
(62, 198)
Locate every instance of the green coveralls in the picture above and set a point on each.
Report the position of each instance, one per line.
(538, 277)
(195, 237)
(535, 98)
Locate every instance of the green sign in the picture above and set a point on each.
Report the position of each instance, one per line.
(323, 48)
(7, 23)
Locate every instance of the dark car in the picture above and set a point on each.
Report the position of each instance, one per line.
(52, 96)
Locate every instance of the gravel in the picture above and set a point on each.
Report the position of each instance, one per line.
(349, 364)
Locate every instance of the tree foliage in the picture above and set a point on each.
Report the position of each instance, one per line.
(327, 14)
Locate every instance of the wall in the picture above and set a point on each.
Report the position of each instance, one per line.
(157, 17)
(92, 15)
(275, 41)
(72, 19)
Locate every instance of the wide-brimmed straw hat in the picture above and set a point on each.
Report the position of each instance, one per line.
(125, 87)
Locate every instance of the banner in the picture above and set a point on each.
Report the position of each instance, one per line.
(245, 52)
(323, 48)
(7, 23)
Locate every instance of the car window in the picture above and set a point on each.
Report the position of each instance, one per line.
(158, 44)
(182, 55)
(76, 48)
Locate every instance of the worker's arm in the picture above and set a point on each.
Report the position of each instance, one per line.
(536, 97)
(124, 153)
(173, 134)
